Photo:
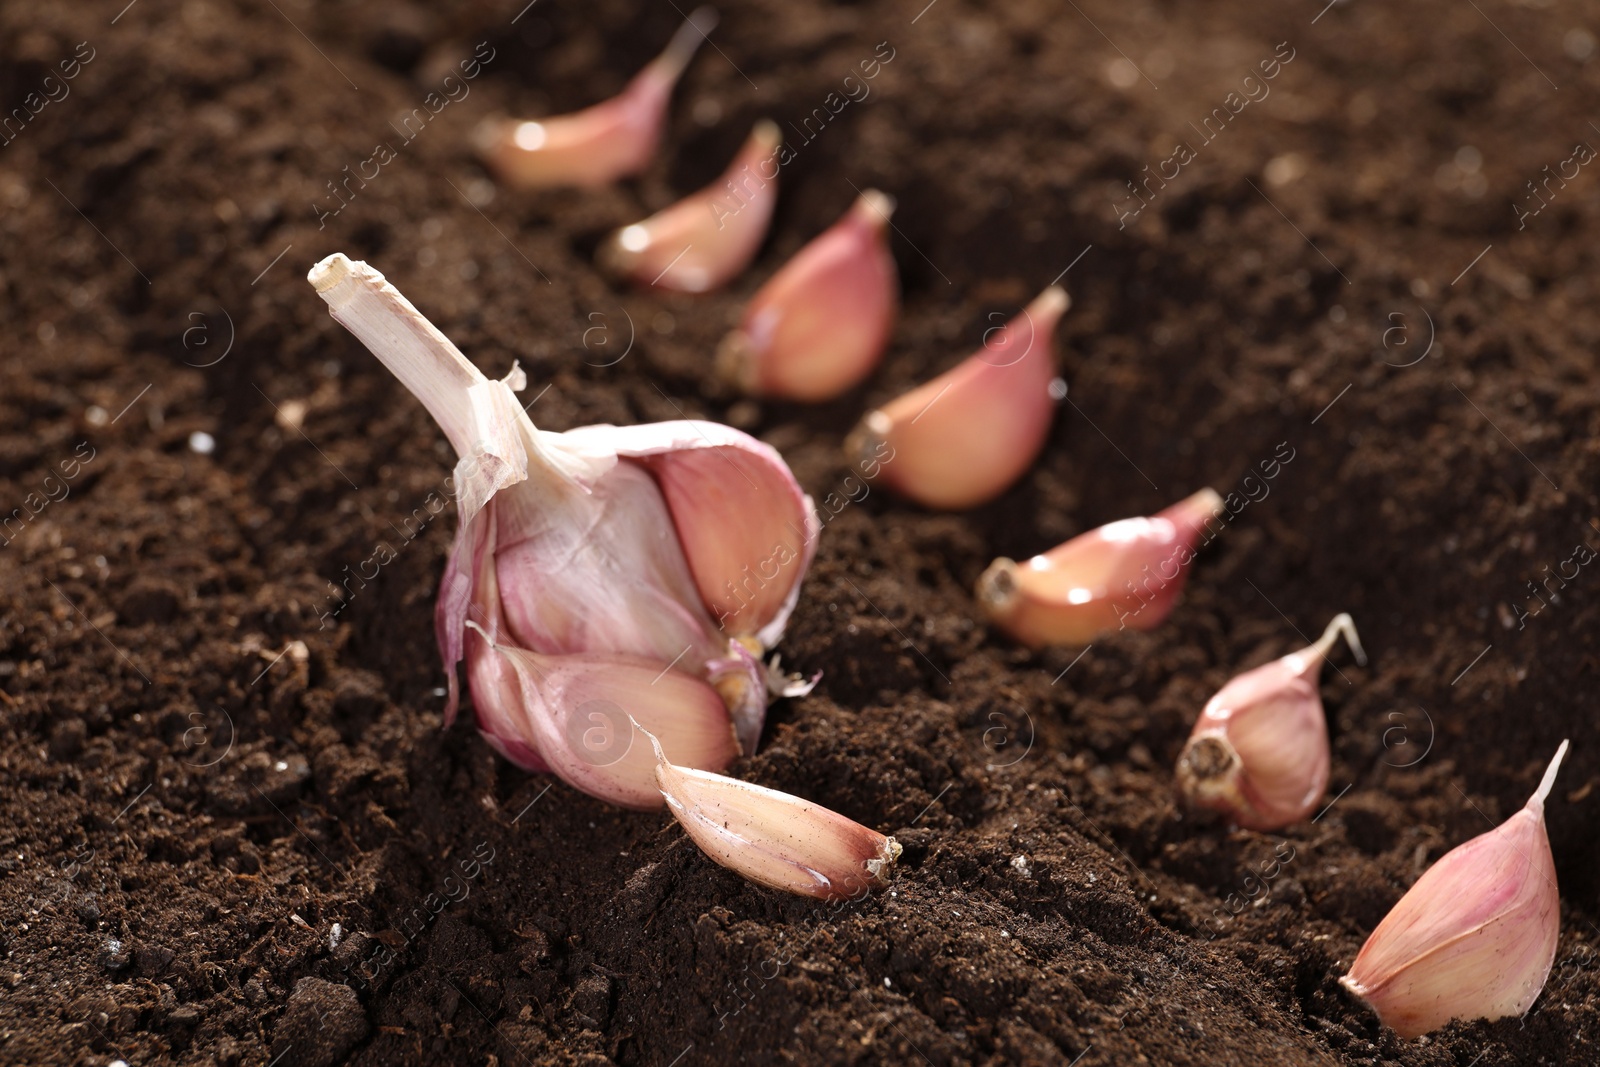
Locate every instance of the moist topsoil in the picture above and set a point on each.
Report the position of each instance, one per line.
(235, 830)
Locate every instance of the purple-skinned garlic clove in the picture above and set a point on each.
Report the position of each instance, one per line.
(1258, 754)
(821, 323)
(600, 144)
(583, 712)
(706, 239)
(965, 437)
(775, 839)
(1123, 575)
(1475, 937)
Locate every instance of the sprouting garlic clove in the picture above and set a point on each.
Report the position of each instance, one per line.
(1126, 574)
(600, 144)
(704, 240)
(1259, 751)
(820, 325)
(583, 711)
(776, 839)
(966, 436)
(1475, 937)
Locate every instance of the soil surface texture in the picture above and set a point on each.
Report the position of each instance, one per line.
(234, 828)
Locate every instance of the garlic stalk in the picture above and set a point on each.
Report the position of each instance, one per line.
(820, 325)
(1126, 574)
(963, 438)
(600, 144)
(704, 240)
(775, 839)
(598, 554)
(1475, 937)
(1259, 751)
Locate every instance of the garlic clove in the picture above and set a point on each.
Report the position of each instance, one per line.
(776, 839)
(583, 711)
(497, 696)
(619, 582)
(748, 530)
(966, 436)
(704, 240)
(496, 691)
(1475, 937)
(600, 144)
(1259, 751)
(820, 325)
(1126, 574)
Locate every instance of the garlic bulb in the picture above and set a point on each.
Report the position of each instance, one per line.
(600, 144)
(1474, 938)
(820, 325)
(704, 240)
(1259, 751)
(775, 839)
(611, 571)
(963, 438)
(1126, 574)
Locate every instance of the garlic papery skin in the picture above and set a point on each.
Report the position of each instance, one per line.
(600, 144)
(1259, 751)
(963, 438)
(776, 839)
(748, 531)
(822, 322)
(1475, 937)
(1124, 575)
(706, 239)
(584, 712)
(596, 545)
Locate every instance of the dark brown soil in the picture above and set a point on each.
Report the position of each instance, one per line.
(205, 770)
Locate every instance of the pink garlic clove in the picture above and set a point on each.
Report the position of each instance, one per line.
(496, 692)
(747, 529)
(1475, 937)
(1259, 751)
(775, 839)
(1121, 575)
(704, 240)
(582, 710)
(600, 144)
(548, 571)
(820, 325)
(966, 436)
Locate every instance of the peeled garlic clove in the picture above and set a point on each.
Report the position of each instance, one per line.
(821, 323)
(1474, 938)
(1126, 574)
(704, 240)
(600, 144)
(584, 712)
(776, 839)
(1259, 751)
(966, 436)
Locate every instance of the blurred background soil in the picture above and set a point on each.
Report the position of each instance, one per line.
(234, 830)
